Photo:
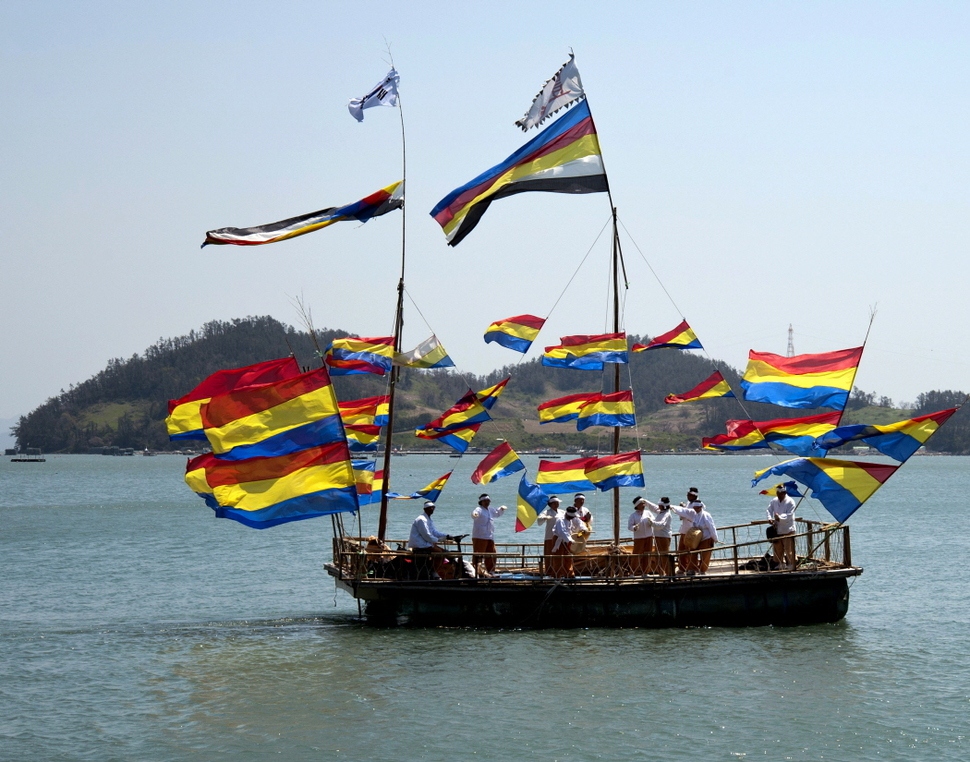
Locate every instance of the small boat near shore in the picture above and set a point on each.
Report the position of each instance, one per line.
(29, 455)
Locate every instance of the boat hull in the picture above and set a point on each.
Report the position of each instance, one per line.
(781, 599)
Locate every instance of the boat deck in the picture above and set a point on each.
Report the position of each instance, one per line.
(743, 552)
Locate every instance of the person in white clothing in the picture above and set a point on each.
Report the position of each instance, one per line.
(565, 527)
(660, 521)
(483, 533)
(686, 515)
(781, 514)
(548, 518)
(423, 542)
(582, 512)
(705, 523)
(639, 524)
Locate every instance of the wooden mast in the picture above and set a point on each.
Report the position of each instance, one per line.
(398, 328)
(616, 371)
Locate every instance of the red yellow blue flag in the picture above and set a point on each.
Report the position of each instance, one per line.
(556, 476)
(432, 492)
(681, 337)
(352, 356)
(587, 352)
(842, 486)
(274, 419)
(624, 469)
(516, 333)
(264, 492)
(531, 499)
(488, 397)
(564, 409)
(607, 410)
(798, 435)
(802, 381)
(713, 386)
(368, 411)
(741, 435)
(502, 461)
(897, 440)
(362, 438)
(184, 419)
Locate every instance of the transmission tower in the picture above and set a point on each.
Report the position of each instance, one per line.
(791, 341)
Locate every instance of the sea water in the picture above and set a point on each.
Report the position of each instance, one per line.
(136, 626)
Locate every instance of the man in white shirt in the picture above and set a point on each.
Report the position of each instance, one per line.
(548, 518)
(483, 533)
(566, 525)
(422, 541)
(704, 522)
(582, 512)
(781, 514)
(639, 523)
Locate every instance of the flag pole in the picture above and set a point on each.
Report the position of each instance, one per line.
(398, 329)
(616, 259)
(872, 317)
(616, 370)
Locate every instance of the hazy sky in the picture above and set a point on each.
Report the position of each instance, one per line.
(775, 163)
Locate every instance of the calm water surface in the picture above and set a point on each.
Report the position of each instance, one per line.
(135, 626)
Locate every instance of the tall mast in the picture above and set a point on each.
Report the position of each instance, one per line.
(398, 329)
(616, 370)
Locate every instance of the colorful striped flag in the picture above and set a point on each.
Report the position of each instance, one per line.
(264, 492)
(383, 201)
(184, 420)
(274, 419)
(624, 469)
(741, 435)
(713, 386)
(459, 439)
(557, 476)
(842, 486)
(897, 440)
(352, 356)
(488, 397)
(531, 500)
(798, 435)
(587, 352)
(818, 380)
(564, 409)
(368, 411)
(790, 487)
(464, 413)
(502, 461)
(195, 478)
(364, 480)
(515, 333)
(362, 438)
(607, 410)
(681, 337)
(428, 354)
(563, 158)
(432, 492)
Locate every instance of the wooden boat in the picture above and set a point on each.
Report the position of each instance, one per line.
(738, 590)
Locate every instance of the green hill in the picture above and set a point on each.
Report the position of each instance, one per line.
(126, 403)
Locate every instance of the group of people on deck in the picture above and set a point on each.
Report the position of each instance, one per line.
(567, 530)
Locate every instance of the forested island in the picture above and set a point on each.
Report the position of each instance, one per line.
(125, 405)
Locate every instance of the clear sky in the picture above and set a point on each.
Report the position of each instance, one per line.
(776, 163)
